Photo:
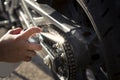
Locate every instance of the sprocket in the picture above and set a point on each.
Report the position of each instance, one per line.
(64, 62)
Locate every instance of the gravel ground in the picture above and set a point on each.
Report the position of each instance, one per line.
(34, 70)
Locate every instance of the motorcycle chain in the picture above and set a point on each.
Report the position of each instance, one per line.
(71, 60)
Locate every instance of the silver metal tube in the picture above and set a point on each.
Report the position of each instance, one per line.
(46, 15)
(25, 8)
(23, 19)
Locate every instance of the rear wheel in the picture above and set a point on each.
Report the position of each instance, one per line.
(102, 16)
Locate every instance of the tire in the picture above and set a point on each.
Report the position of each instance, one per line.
(104, 15)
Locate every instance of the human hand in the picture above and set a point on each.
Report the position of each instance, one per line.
(15, 47)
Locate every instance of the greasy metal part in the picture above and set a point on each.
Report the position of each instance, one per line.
(33, 24)
(1, 6)
(71, 61)
(5, 22)
(24, 22)
(10, 6)
(64, 64)
(27, 12)
(48, 17)
(40, 21)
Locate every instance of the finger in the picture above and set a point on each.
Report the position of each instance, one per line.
(33, 46)
(30, 53)
(15, 31)
(27, 33)
(27, 58)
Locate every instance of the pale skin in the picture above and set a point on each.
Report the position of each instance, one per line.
(15, 47)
